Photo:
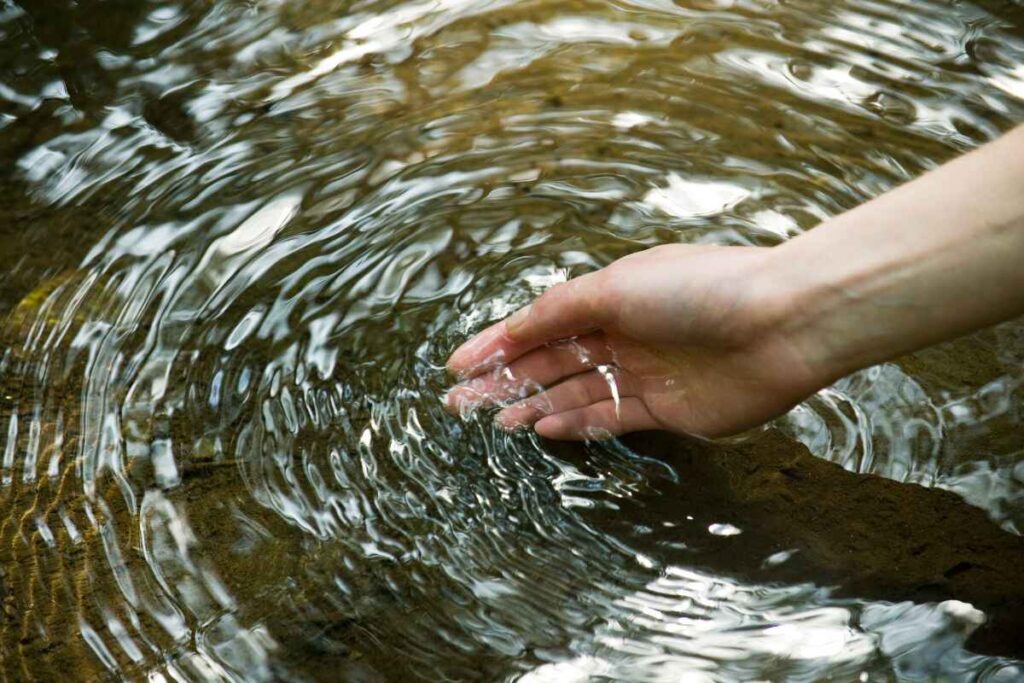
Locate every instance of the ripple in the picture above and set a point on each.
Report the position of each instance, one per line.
(223, 454)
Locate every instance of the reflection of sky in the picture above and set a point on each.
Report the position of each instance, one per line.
(688, 626)
(383, 32)
(518, 45)
(691, 198)
(838, 84)
(1011, 82)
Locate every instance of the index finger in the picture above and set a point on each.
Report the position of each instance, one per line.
(566, 310)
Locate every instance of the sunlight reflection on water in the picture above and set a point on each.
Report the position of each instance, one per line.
(224, 456)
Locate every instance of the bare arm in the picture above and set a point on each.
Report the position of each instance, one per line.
(714, 340)
(936, 258)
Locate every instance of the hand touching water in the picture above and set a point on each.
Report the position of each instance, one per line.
(713, 340)
(680, 333)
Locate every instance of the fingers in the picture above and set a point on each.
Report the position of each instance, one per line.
(576, 392)
(598, 421)
(486, 350)
(566, 310)
(596, 401)
(531, 373)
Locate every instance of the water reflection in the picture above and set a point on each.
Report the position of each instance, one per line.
(241, 238)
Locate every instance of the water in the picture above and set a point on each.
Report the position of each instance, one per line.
(240, 238)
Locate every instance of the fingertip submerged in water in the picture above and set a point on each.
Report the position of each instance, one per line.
(479, 353)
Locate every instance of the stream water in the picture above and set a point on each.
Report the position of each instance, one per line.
(239, 238)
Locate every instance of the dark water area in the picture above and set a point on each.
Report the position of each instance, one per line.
(239, 238)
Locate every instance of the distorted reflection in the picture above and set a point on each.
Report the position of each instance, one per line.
(240, 239)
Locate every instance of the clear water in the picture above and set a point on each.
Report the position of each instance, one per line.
(240, 237)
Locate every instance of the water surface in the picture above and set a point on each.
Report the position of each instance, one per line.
(239, 238)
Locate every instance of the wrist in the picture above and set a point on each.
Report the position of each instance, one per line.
(928, 261)
(805, 309)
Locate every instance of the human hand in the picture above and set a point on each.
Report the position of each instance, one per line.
(709, 340)
(680, 337)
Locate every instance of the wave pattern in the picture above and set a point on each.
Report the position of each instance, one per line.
(223, 451)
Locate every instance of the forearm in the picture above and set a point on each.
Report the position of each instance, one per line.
(933, 259)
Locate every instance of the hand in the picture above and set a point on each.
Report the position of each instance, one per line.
(709, 340)
(678, 337)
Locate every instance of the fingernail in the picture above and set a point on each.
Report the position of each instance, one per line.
(504, 420)
(465, 361)
(509, 425)
(456, 362)
(455, 400)
(544, 427)
(516, 320)
(455, 371)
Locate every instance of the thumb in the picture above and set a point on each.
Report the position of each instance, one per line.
(568, 309)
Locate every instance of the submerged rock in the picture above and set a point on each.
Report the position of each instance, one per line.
(806, 519)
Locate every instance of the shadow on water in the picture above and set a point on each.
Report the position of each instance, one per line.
(799, 518)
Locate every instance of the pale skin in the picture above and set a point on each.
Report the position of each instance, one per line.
(711, 341)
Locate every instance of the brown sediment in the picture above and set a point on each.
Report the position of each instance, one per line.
(866, 536)
(968, 362)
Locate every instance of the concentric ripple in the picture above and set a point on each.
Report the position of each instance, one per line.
(248, 235)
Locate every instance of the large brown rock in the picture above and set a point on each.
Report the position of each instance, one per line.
(867, 536)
